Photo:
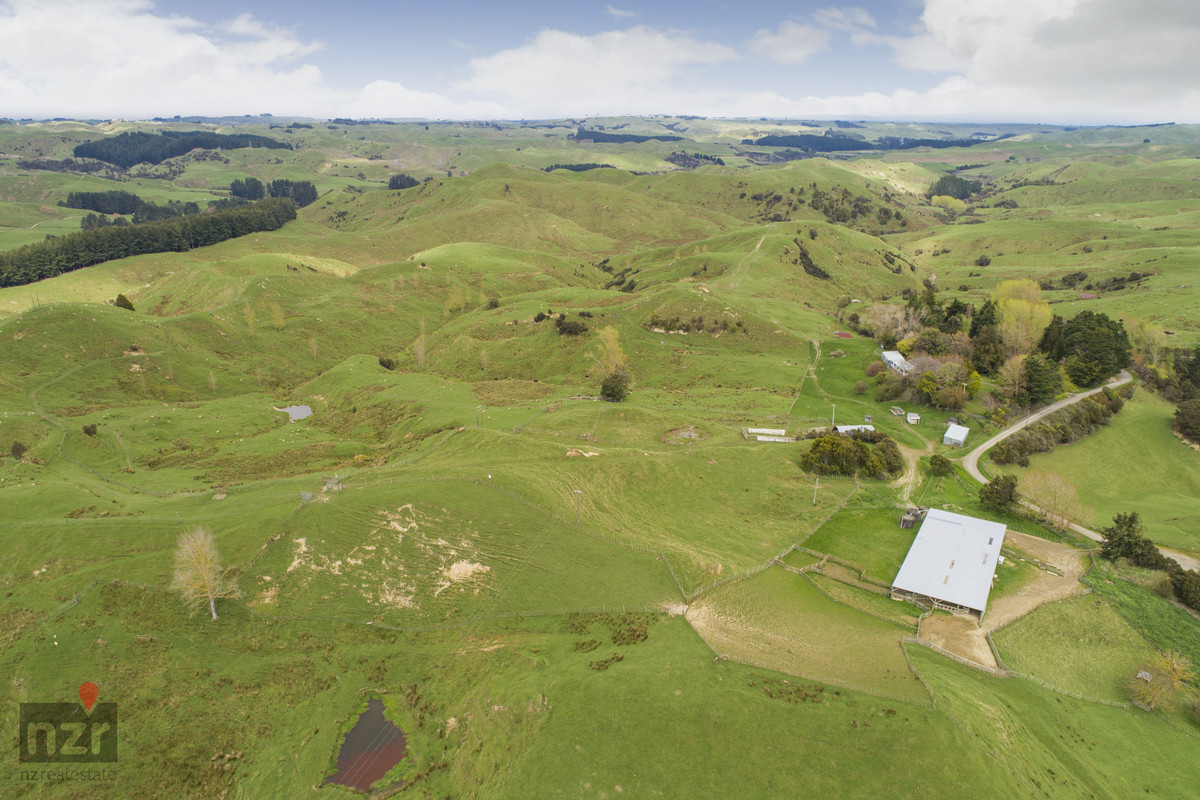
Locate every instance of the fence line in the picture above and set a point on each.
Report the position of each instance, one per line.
(917, 673)
(999, 673)
(826, 592)
(671, 570)
(838, 684)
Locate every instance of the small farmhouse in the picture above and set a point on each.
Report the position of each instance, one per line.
(896, 361)
(951, 563)
(956, 435)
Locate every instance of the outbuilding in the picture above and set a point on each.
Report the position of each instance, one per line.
(853, 428)
(951, 563)
(913, 418)
(956, 435)
(896, 361)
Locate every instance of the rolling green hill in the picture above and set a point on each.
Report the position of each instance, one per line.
(557, 595)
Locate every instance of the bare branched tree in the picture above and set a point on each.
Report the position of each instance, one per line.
(199, 576)
(1057, 499)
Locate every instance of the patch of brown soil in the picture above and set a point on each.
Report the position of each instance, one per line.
(965, 637)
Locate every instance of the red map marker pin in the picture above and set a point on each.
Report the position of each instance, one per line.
(88, 692)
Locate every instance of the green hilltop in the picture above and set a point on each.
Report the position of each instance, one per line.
(556, 595)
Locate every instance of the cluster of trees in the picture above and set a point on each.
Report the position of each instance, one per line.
(697, 324)
(1089, 346)
(622, 138)
(1014, 337)
(806, 262)
(137, 147)
(114, 202)
(401, 181)
(60, 254)
(248, 189)
(1126, 538)
(836, 143)
(1067, 425)
(693, 160)
(954, 186)
(63, 165)
(570, 327)
(118, 202)
(849, 454)
(301, 193)
(578, 167)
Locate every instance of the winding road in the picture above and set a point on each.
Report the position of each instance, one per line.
(971, 460)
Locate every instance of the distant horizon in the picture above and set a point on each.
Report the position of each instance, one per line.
(1088, 62)
(264, 117)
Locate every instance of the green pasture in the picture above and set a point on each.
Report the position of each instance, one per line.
(1158, 475)
(506, 559)
(781, 621)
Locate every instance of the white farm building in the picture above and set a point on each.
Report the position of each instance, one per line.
(956, 435)
(951, 563)
(896, 361)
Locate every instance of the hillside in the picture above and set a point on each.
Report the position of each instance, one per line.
(555, 595)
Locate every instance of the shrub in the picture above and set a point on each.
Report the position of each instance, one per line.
(89, 430)
(493, 302)
(983, 261)
(874, 368)
(860, 387)
(539, 317)
(615, 386)
(570, 327)
(123, 302)
(940, 465)
(1000, 494)
(1187, 419)
(18, 450)
(387, 362)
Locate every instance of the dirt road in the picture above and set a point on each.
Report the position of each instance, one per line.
(971, 463)
(963, 636)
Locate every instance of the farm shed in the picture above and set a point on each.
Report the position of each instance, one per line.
(951, 563)
(896, 361)
(956, 435)
(913, 418)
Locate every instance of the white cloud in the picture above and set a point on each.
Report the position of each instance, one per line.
(845, 19)
(793, 43)
(630, 71)
(619, 13)
(121, 58)
(1076, 55)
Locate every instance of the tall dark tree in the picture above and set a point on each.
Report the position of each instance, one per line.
(1000, 494)
(1043, 380)
(985, 316)
(1095, 347)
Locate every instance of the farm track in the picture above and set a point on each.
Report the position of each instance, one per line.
(971, 463)
(964, 637)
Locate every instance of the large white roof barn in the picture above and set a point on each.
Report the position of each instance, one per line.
(951, 562)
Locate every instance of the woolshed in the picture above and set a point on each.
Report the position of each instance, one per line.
(951, 563)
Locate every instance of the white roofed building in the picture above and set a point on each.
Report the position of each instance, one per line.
(895, 360)
(956, 435)
(951, 563)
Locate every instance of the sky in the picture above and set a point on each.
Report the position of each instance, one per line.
(1042, 61)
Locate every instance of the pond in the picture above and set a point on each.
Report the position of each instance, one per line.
(296, 412)
(372, 747)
